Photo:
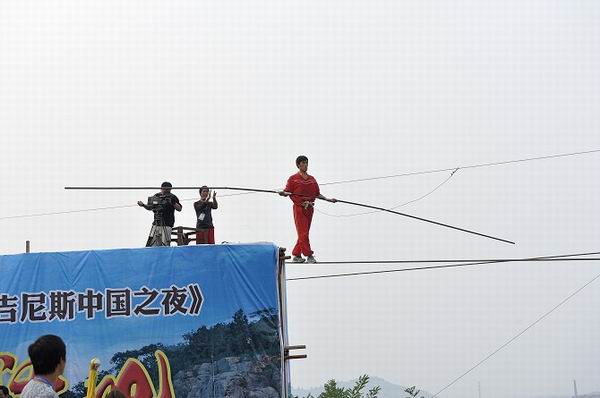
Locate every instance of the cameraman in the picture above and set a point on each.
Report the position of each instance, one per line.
(164, 206)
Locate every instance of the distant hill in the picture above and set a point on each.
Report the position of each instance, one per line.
(388, 390)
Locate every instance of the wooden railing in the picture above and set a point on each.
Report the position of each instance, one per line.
(183, 235)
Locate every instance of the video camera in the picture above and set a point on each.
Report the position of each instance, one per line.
(159, 201)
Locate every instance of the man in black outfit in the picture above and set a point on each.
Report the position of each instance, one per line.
(163, 204)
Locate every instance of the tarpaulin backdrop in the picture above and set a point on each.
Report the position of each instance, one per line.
(193, 321)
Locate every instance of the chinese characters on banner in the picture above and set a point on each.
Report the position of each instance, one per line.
(120, 302)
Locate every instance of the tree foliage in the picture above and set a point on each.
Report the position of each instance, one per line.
(333, 391)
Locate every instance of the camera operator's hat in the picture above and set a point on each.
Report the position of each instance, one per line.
(166, 184)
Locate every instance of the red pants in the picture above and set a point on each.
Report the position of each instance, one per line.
(204, 236)
(302, 219)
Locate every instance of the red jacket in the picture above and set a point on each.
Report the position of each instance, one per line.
(307, 189)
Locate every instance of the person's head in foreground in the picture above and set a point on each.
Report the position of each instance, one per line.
(48, 356)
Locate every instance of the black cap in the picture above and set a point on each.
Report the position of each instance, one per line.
(166, 184)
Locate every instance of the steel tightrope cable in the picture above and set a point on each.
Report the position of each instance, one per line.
(466, 263)
(454, 264)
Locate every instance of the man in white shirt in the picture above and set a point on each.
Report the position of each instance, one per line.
(48, 356)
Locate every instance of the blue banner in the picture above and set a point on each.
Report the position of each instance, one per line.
(189, 321)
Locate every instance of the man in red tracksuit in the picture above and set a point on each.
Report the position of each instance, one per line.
(303, 190)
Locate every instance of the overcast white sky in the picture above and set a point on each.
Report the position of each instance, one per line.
(230, 92)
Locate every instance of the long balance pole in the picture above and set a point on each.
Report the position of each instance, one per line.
(292, 193)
